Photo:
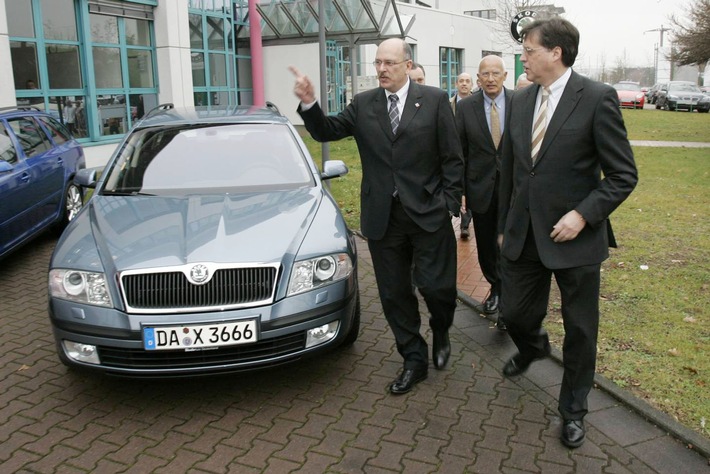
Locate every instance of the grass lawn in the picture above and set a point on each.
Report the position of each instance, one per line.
(655, 324)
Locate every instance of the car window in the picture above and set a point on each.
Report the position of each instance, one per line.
(58, 131)
(627, 87)
(7, 148)
(684, 88)
(219, 158)
(32, 138)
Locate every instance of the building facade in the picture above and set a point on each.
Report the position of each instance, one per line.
(100, 65)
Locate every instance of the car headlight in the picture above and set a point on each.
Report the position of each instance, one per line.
(316, 272)
(639, 96)
(80, 286)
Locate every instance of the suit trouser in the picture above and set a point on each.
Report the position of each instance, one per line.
(485, 228)
(434, 258)
(526, 290)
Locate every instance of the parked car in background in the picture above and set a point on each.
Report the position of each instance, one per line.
(676, 95)
(209, 245)
(652, 93)
(705, 90)
(39, 159)
(630, 94)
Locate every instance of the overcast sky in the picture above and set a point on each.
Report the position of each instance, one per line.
(610, 27)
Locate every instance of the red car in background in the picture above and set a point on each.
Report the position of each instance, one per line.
(630, 94)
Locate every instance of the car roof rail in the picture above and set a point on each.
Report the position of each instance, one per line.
(21, 107)
(154, 110)
(272, 106)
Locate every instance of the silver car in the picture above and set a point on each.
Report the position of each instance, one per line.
(210, 245)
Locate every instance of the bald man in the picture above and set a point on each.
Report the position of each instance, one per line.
(411, 187)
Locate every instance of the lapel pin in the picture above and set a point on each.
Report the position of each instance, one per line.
(416, 104)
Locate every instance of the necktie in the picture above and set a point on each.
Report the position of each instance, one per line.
(540, 124)
(495, 124)
(394, 112)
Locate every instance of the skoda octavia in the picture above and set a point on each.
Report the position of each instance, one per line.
(210, 244)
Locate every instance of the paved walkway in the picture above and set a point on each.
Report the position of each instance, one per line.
(331, 414)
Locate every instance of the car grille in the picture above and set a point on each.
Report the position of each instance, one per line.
(172, 291)
(262, 353)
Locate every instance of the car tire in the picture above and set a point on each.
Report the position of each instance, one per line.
(354, 331)
(703, 111)
(71, 205)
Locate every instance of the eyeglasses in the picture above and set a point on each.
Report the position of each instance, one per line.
(529, 50)
(388, 64)
(494, 74)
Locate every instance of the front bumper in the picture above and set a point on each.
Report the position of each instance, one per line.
(282, 336)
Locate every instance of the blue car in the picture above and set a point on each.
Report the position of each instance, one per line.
(39, 160)
(209, 245)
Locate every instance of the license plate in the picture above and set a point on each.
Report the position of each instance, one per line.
(199, 336)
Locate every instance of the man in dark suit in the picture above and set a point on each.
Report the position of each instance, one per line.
(411, 186)
(480, 120)
(567, 165)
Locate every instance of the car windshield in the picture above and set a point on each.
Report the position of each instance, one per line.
(190, 159)
(627, 87)
(684, 88)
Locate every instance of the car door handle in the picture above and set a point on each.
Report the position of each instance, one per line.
(25, 178)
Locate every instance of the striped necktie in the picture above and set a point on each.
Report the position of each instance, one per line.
(394, 112)
(540, 124)
(495, 124)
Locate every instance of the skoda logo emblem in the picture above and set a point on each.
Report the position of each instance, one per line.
(199, 274)
(519, 21)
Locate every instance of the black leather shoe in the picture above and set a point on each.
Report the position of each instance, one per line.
(492, 303)
(500, 324)
(517, 365)
(573, 433)
(406, 380)
(464, 233)
(442, 349)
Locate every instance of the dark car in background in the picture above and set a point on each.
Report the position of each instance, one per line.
(39, 160)
(682, 95)
(210, 244)
(630, 94)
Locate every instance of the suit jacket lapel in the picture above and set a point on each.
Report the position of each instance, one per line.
(479, 108)
(411, 107)
(381, 105)
(565, 106)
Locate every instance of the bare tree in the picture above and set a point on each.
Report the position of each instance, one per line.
(692, 38)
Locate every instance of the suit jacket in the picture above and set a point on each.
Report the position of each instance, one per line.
(423, 160)
(481, 158)
(585, 138)
(454, 101)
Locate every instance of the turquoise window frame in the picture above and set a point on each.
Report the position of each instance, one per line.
(227, 54)
(449, 67)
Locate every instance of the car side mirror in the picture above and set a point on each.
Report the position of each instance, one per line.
(5, 166)
(333, 169)
(87, 178)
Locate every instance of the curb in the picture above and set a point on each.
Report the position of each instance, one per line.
(690, 438)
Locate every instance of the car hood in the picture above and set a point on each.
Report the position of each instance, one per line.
(133, 232)
(629, 94)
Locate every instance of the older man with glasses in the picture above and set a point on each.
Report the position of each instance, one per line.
(411, 187)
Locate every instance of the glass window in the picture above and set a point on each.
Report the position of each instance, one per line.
(200, 98)
(140, 68)
(63, 66)
(19, 19)
(7, 149)
(107, 67)
(104, 29)
(218, 69)
(59, 21)
(24, 65)
(215, 33)
(137, 32)
(195, 31)
(141, 104)
(112, 114)
(198, 69)
(32, 139)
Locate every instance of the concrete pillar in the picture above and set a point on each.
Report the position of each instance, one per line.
(172, 46)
